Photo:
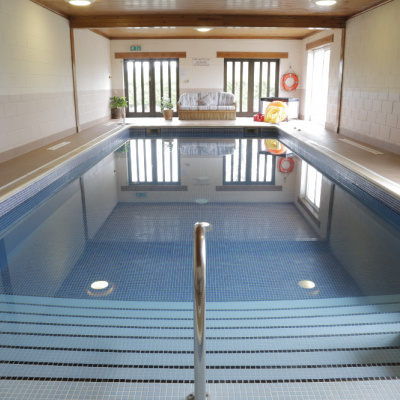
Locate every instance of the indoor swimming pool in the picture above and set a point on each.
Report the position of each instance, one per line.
(303, 265)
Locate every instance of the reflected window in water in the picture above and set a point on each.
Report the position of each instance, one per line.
(248, 165)
(312, 183)
(154, 161)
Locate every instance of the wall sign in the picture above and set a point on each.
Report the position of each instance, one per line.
(201, 62)
(136, 48)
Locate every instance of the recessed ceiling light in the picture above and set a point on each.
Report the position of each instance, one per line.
(307, 284)
(325, 2)
(203, 29)
(98, 285)
(80, 2)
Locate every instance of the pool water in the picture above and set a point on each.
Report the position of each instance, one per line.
(302, 276)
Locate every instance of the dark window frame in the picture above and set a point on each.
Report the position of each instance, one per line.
(152, 89)
(250, 102)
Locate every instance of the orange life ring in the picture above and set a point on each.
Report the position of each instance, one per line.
(282, 168)
(295, 82)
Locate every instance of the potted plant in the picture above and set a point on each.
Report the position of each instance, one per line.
(167, 108)
(117, 105)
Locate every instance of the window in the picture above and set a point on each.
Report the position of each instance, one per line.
(313, 180)
(318, 77)
(246, 166)
(147, 82)
(154, 162)
(249, 80)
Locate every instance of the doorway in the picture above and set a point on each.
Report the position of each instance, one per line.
(318, 78)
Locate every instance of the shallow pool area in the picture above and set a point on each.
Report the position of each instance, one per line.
(302, 271)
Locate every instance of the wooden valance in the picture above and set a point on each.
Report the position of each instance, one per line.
(320, 42)
(251, 54)
(150, 55)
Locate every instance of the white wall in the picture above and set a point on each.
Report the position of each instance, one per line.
(210, 77)
(93, 76)
(371, 95)
(36, 91)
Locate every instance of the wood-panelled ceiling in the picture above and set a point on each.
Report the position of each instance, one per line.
(139, 19)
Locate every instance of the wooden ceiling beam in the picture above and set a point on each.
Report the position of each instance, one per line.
(262, 21)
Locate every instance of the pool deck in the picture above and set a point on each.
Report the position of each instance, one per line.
(382, 167)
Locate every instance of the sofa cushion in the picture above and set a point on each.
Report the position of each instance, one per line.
(226, 99)
(189, 99)
(207, 101)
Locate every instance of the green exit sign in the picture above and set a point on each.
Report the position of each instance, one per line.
(136, 48)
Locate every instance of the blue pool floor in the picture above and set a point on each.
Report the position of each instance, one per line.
(236, 271)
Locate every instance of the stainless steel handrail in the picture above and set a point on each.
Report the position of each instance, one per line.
(199, 283)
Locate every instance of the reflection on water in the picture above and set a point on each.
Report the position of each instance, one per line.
(281, 230)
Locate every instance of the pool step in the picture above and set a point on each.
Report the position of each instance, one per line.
(331, 339)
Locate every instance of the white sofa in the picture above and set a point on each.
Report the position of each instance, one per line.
(207, 105)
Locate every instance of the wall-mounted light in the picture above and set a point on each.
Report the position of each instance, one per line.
(203, 29)
(80, 2)
(325, 2)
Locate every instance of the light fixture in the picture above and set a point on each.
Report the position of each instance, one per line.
(307, 284)
(325, 2)
(80, 2)
(203, 29)
(98, 285)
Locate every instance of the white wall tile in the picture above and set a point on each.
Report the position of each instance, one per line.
(35, 64)
(372, 71)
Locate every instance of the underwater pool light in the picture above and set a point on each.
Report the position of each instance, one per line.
(201, 201)
(307, 284)
(99, 285)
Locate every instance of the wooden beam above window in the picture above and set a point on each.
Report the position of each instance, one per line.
(212, 20)
(150, 55)
(320, 42)
(251, 54)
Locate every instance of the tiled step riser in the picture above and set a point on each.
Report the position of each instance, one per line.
(187, 374)
(213, 359)
(212, 312)
(235, 344)
(156, 323)
(177, 332)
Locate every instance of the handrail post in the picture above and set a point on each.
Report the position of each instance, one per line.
(199, 283)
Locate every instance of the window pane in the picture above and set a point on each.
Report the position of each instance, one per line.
(272, 77)
(146, 85)
(264, 78)
(129, 68)
(245, 86)
(174, 94)
(165, 71)
(256, 91)
(157, 84)
(238, 69)
(138, 77)
(229, 77)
